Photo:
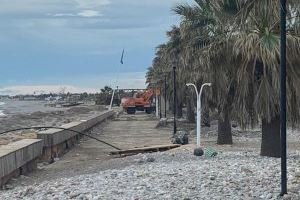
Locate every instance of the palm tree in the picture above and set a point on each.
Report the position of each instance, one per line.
(257, 76)
(235, 45)
(166, 55)
(203, 26)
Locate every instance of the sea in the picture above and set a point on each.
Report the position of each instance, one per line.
(2, 111)
(11, 107)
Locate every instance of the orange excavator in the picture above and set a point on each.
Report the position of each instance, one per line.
(141, 101)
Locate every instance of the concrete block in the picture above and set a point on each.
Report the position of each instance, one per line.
(56, 142)
(16, 155)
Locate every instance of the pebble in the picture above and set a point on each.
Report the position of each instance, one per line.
(269, 196)
(173, 175)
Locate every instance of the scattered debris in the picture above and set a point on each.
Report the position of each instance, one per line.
(181, 137)
(135, 151)
(209, 152)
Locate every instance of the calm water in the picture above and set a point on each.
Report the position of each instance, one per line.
(8, 107)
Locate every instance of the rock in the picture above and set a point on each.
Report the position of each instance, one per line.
(175, 175)
(246, 170)
(82, 197)
(181, 120)
(269, 196)
(193, 132)
(162, 123)
(287, 197)
(234, 124)
(24, 177)
(181, 137)
(74, 195)
(198, 152)
(145, 159)
(150, 159)
(8, 187)
(56, 159)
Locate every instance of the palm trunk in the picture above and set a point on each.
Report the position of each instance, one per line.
(224, 129)
(190, 110)
(205, 117)
(179, 110)
(270, 144)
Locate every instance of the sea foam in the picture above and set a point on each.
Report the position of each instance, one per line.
(1, 111)
(2, 114)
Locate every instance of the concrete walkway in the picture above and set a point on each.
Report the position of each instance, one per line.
(91, 156)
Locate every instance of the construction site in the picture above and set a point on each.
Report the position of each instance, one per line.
(202, 104)
(118, 154)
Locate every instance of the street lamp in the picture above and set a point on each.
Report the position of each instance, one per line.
(165, 88)
(198, 108)
(112, 98)
(174, 98)
(283, 11)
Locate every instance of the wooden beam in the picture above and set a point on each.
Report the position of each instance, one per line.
(145, 150)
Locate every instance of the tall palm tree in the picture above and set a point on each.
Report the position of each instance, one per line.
(257, 44)
(235, 45)
(204, 26)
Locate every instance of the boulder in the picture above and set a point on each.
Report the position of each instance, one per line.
(198, 152)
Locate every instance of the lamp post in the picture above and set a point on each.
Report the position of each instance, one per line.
(174, 98)
(112, 99)
(160, 115)
(165, 96)
(283, 96)
(156, 101)
(198, 108)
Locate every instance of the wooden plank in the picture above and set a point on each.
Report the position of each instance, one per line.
(145, 149)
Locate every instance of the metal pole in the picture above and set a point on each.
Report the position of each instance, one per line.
(165, 96)
(111, 101)
(283, 96)
(118, 95)
(199, 109)
(198, 119)
(199, 113)
(174, 99)
(156, 103)
(160, 115)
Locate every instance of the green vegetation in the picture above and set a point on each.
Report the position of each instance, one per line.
(104, 97)
(235, 45)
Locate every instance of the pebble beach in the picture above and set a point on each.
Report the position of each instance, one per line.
(175, 175)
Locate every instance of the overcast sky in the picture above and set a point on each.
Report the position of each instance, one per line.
(50, 43)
